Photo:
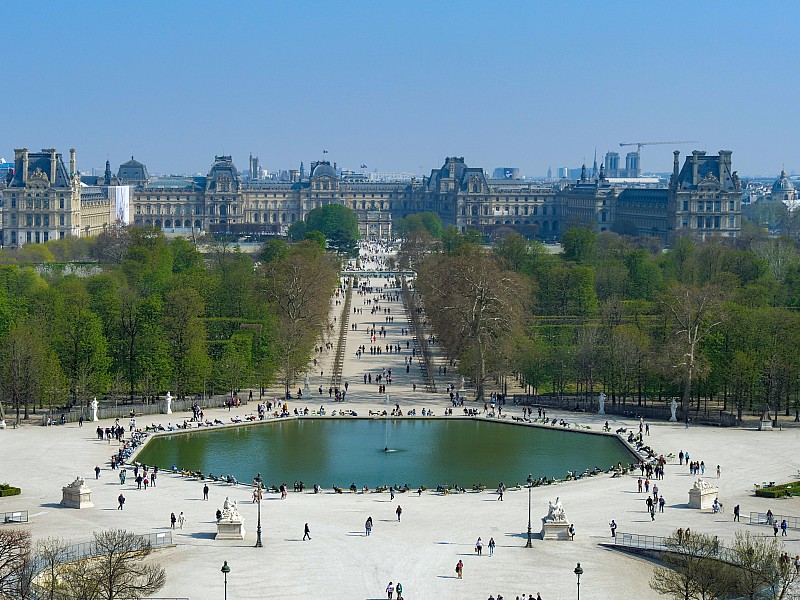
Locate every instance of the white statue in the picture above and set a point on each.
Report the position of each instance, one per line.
(94, 410)
(306, 386)
(461, 384)
(701, 484)
(673, 407)
(230, 510)
(78, 483)
(601, 402)
(556, 512)
(169, 403)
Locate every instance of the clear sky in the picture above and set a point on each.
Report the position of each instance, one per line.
(400, 85)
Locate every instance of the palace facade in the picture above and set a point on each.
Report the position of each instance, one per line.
(44, 200)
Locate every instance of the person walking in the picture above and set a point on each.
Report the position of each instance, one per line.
(181, 520)
(736, 513)
(460, 569)
(390, 590)
(205, 492)
(491, 546)
(784, 526)
(399, 512)
(613, 526)
(97, 472)
(172, 520)
(368, 525)
(719, 472)
(306, 532)
(121, 500)
(399, 589)
(775, 528)
(80, 421)
(391, 493)
(479, 547)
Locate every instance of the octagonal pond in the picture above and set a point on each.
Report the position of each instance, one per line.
(428, 452)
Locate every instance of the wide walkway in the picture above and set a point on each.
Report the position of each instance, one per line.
(435, 532)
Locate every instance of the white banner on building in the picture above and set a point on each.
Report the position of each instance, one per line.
(121, 207)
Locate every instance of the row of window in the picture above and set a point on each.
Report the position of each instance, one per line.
(709, 206)
(34, 237)
(709, 222)
(35, 204)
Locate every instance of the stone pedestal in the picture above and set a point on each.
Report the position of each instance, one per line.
(231, 525)
(76, 495)
(702, 495)
(765, 426)
(229, 529)
(555, 530)
(2, 423)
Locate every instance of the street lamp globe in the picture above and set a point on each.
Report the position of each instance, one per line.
(578, 572)
(225, 570)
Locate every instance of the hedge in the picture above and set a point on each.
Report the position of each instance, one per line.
(8, 490)
(779, 491)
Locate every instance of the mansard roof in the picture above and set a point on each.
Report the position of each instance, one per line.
(41, 161)
(708, 172)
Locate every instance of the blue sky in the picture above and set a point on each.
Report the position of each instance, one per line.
(399, 86)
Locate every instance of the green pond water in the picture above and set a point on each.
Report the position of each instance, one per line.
(421, 452)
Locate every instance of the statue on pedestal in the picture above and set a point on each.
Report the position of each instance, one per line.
(306, 386)
(461, 384)
(673, 407)
(168, 398)
(76, 494)
(601, 404)
(556, 512)
(94, 410)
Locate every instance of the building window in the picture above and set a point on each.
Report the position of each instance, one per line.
(28, 236)
(717, 206)
(61, 235)
(732, 205)
(61, 203)
(731, 220)
(686, 205)
(47, 220)
(61, 220)
(29, 221)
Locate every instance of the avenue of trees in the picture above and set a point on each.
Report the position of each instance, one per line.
(144, 315)
(714, 325)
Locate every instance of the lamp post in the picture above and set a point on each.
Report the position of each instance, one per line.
(530, 485)
(225, 570)
(257, 482)
(578, 572)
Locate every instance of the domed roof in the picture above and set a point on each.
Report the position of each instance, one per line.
(782, 184)
(324, 168)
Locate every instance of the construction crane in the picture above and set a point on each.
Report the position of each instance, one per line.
(640, 144)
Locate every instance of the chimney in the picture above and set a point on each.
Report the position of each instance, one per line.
(724, 161)
(72, 161)
(53, 162)
(695, 165)
(676, 162)
(24, 165)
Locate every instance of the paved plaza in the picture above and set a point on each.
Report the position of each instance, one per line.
(435, 532)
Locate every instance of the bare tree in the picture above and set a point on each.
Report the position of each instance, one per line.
(120, 570)
(15, 549)
(693, 569)
(694, 312)
(50, 554)
(764, 569)
(473, 304)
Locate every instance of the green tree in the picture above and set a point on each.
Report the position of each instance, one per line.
(187, 338)
(337, 222)
(579, 244)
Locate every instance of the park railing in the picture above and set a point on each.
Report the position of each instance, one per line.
(663, 544)
(18, 516)
(757, 518)
(123, 411)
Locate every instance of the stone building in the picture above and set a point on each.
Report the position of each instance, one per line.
(45, 201)
(589, 202)
(705, 196)
(784, 190)
(460, 195)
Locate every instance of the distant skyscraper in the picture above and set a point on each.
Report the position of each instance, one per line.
(549, 173)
